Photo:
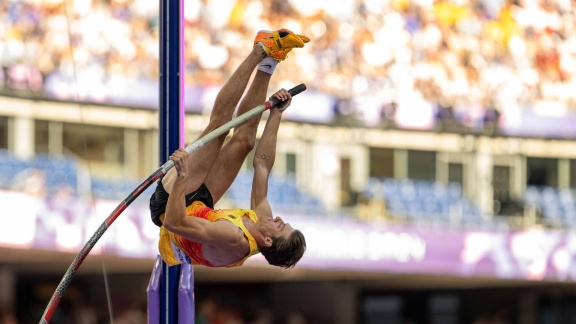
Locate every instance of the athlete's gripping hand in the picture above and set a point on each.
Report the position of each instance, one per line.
(285, 100)
(181, 159)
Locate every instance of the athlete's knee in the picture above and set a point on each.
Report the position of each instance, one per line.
(243, 143)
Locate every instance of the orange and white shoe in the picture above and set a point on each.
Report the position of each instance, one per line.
(280, 42)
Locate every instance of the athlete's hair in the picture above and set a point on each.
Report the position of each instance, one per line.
(284, 252)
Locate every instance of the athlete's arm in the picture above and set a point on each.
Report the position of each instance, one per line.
(265, 156)
(193, 228)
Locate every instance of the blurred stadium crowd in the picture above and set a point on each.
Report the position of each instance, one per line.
(466, 61)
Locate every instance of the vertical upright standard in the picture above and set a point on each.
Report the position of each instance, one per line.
(171, 288)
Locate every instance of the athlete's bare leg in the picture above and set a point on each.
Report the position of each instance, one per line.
(236, 149)
(202, 160)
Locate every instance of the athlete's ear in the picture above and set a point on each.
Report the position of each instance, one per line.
(267, 241)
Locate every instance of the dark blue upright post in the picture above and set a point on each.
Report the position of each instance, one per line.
(171, 118)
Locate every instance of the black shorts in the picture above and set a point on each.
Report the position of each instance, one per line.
(159, 200)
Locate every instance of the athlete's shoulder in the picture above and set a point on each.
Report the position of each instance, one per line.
(229, 233)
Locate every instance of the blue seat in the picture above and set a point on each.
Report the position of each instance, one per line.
(283, 193)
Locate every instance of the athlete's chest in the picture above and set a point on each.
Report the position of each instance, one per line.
(227, 252)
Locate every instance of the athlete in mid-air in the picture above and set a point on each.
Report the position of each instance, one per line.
(191, 231)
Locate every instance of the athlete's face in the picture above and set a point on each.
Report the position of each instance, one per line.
(283, 229)
(276, 227)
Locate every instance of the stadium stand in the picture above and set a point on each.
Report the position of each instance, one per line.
(284, 195)
(60, 171)
(416, 201)
(472, 67)
(420, 201)
(557, 207)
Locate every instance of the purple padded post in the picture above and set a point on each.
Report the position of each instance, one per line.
(186, 295)
(153, 292)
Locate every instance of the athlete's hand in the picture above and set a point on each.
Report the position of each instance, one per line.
(181, 158)
(285, 98)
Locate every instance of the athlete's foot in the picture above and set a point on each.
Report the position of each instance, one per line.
(277, 44)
